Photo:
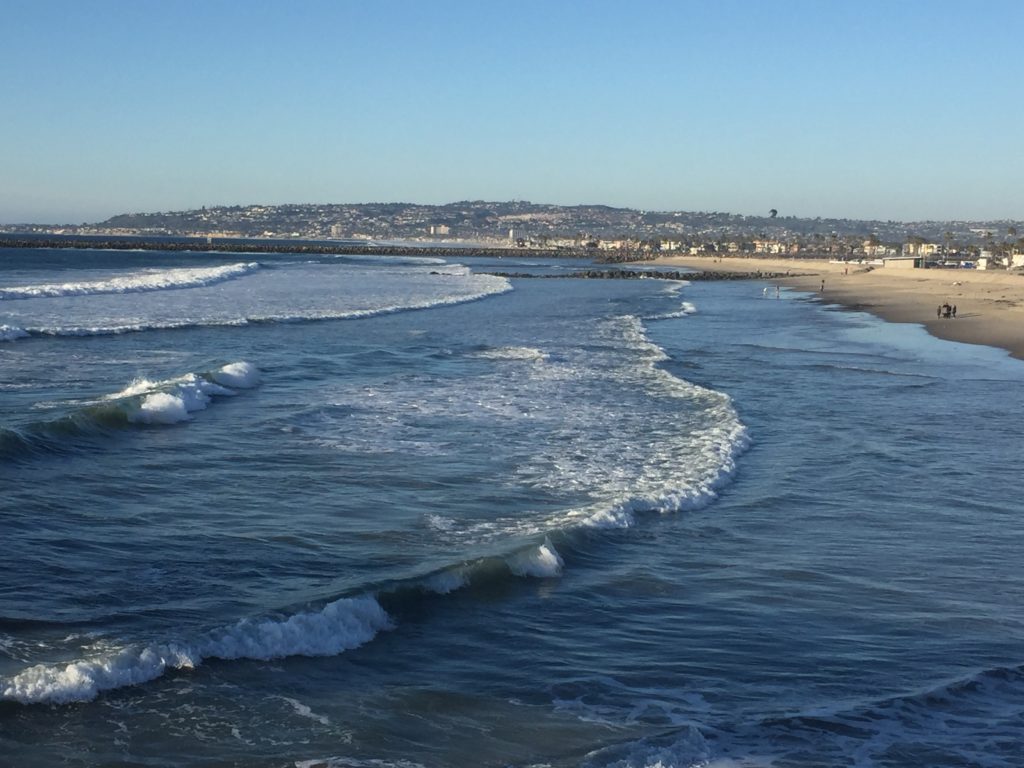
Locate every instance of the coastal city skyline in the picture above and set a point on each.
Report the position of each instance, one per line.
(870, 111)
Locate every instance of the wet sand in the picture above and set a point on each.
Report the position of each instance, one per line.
(990, 304)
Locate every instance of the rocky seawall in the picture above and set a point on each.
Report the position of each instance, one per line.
(642, 274)
(221, 246)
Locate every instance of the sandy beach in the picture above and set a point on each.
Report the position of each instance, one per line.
(990, 304)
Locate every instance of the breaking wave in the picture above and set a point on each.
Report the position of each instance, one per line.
(685, 309)
(143, 401)
(513, 353)
(11, 333)
(137, 282)
(338, 626)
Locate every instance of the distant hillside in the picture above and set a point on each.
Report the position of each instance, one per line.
(502, 221)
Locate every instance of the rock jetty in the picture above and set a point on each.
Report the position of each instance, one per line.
(283, 246)
(643, 274)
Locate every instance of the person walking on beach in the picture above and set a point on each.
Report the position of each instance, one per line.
(938, 312)
(822, 285)
(954, 311)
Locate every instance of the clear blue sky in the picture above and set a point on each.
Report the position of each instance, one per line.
(894, 109)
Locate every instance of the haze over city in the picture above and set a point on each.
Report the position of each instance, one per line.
(906, 111)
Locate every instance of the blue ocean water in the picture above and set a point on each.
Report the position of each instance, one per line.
(347, 512)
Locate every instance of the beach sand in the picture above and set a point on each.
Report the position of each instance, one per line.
(990, 304)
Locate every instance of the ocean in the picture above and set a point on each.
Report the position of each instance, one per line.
(354, 512)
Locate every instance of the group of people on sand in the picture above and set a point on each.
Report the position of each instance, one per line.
(946, 310)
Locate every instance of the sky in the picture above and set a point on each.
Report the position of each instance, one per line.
(892, 109)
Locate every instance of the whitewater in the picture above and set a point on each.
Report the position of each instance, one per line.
(367, 512)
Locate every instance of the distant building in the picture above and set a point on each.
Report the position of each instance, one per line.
(337, 231)
(440, 229)
(900, 262)
(875, 250)
(769, 246)
(920, 249)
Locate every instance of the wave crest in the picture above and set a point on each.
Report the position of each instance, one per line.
(339, 626)
(137, 282)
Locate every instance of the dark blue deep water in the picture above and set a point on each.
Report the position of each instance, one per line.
(351, 512)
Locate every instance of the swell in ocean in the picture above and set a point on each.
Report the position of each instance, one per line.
(136, 282)
(197, 297)
(681, 471)
(142, 402)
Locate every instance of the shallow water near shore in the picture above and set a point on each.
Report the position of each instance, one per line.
(365, 512)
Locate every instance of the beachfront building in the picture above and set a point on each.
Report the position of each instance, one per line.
(920, 249)
(773, 247)
(901, 262)
(875, 250)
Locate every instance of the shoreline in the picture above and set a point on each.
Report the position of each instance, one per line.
(990, 304)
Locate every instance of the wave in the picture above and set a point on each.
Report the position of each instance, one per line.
(137, 282)
(974, 720)
(338, 626)
(684, 310)
(512, 353)
(686, 455)
(143, 401)
(12, 333)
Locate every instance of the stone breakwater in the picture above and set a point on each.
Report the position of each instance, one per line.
(244, 246)
(640, 274)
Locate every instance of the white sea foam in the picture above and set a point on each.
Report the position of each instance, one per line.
(304, 711)
(160, 408)
(84, 680)
(353, 762)
(542, 562)
(513, 353)
(241, 375)
(662, 444)
(445, 582)
(172, 400)
(685, 309)
(10, 333)
(339, 626)
(136, 282)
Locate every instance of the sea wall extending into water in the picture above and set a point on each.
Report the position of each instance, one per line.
(246, 246)
(643, 274)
